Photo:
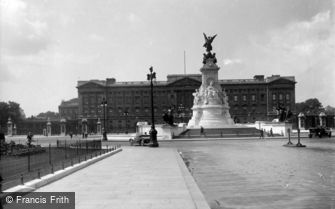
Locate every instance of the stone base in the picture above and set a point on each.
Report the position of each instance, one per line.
(211, 116)
(233, 131)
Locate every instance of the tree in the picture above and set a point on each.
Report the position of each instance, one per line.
(330, 110)
(48, 114)
(12, 110)
(309, 107)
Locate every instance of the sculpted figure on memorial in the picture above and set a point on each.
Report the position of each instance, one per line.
(212, 94)
(197, 97)
(208, 42)
(208, 46)
(224, 97)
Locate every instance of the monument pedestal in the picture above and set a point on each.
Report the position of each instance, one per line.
(213, 117)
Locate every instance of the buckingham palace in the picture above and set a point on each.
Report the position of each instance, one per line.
(118, 106)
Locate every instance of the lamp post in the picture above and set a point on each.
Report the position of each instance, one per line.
(126, 113)
(298, 130)
(153, 132)
(104, 105)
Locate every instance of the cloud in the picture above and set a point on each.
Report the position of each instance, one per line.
(96, 38)
(12, 11)
(23, 32)
(304, 49)
(231, 61)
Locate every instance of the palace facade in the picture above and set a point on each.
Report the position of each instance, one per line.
(250, 100)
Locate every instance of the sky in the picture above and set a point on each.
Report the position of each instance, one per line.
(46, 46)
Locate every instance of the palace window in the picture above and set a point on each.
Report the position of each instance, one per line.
(280, 96)
(253, 97)
(274, 97)
(235, 98)
(128, 100)
(137, 99)
(287, 97)
(244, 98)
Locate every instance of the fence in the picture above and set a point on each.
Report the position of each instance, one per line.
(16, 170)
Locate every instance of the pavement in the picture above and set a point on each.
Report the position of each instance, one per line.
(263, 174)
(137, 177)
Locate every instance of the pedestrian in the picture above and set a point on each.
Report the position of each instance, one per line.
(261, 136)
(104, 135)
(29, 139)
(71, 135)
(202, 131)
(271, 132)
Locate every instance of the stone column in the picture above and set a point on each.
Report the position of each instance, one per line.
(84, 126)
(14, 129)
(301, 121)
(322, 117)
(63, 127)
(99, 127)
(9, 127)
(49, 127)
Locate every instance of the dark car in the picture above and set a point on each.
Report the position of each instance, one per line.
(320, 132)
(140, 140)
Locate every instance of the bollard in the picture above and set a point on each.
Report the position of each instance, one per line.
(65, 150)
(50, 153)
(299, 144)
(1, 179)
(22, 179)
(28, 160)
(289, 136)
(52, 168)
(38, 173)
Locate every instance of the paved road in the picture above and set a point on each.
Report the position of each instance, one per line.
(259, 173)
(263, 173)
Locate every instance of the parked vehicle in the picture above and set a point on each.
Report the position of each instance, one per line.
(320, 132)
(140, 140)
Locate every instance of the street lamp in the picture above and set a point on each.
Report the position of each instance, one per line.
(104, 105)
(153, 132)
(126, 113)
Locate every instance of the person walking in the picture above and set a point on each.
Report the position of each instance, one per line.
(29, 139)
(202, 131)
(261, 134)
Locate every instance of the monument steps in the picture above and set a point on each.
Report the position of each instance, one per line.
(220, 132)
